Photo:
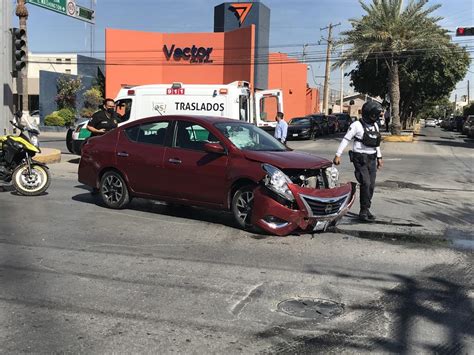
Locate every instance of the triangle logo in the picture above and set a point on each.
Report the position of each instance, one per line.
(241, 11)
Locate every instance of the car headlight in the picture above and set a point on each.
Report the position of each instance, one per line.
(332, 175)
(34, 140)
(277, 181)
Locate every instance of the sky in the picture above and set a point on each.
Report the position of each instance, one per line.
(293, 24)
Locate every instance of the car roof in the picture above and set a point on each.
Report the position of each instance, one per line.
(201, 119)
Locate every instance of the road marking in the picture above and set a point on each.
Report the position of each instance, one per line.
(392, 159)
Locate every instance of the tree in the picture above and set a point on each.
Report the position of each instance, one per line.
(390, 34)
(67, 89)
(92, 100)
(424, 79)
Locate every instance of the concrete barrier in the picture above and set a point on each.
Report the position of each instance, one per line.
(402, 138)
(48, 156)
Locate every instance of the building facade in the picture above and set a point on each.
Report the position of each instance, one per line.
(237, 50)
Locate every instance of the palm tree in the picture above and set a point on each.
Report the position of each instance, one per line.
(390, 33)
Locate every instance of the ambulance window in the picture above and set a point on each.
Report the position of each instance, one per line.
(243, 108)
(268, 108)
(123, 107)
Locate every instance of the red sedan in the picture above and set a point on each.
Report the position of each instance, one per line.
(216, 163)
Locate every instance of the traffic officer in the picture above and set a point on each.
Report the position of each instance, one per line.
(104, 120)
(365, 155)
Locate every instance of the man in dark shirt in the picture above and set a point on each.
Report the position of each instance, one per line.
(104, 120)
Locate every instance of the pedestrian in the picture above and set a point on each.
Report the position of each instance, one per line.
(387, 119)
(365, 154)
(104, 120)
(281, 128)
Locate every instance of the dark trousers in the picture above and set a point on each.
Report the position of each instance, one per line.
(365, 172)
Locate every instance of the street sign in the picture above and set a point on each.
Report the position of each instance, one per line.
(66, 7)
(54, 5)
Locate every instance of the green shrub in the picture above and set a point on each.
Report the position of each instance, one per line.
(88, 112)
(54, 119)
(68, 115)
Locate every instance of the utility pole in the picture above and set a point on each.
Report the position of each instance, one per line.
(6, 96)
(468, 97)
(327, 72)
(304, 52)
(342, 84)
(22, 13)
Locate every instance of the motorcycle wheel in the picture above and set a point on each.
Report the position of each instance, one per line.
(31, 184)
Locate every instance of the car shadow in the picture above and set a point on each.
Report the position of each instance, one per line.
(167, 209)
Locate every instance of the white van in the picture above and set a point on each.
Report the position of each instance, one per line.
(234, 100)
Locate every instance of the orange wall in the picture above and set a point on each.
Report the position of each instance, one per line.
(138, 58)
(312, 100)
(290, 76)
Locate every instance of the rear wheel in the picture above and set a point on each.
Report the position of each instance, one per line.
(242, 205)
(31, 182)
(113, 190)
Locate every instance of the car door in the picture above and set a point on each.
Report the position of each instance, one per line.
(191, 173)
(140, 152)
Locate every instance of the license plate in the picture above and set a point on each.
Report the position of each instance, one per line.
(295, 134)
(320, 226)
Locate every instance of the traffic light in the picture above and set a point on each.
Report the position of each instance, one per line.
(465, 31)
(19, 49)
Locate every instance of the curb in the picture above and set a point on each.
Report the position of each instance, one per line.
(49, 156)
(407, 138)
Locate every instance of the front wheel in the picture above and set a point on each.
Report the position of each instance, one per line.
(242, 205)
(113, 190)
(31, 182)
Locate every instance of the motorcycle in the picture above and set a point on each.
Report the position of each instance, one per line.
(28, 177)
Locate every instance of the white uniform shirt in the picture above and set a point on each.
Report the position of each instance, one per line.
(356, 130)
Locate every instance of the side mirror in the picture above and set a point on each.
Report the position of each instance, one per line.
(216, 148)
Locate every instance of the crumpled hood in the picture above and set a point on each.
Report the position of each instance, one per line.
(288, 159)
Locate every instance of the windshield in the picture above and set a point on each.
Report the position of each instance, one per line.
(249, 137)
(299, 121)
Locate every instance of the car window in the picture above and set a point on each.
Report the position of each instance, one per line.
(192, 136)
(299, 121)
(249, 137)
(151, 133)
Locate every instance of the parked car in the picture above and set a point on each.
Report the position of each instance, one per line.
(458, 123)
(344, 121)
(449, 124)
(429, 122)
(333, 126)
(216, 163)
(321, 124)
(467, 124)
(470, 132)
(301, 127)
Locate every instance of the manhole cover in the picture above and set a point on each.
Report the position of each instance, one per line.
(313, 308)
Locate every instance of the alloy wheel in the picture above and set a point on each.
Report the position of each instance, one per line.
(244, 206)
(113, 189)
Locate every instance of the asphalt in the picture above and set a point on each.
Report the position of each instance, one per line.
(420, 196)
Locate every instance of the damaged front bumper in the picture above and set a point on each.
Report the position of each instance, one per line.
(313, 209)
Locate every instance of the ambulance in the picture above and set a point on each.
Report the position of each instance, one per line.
(235, 100)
